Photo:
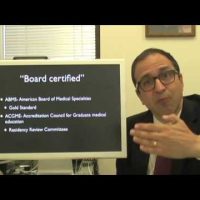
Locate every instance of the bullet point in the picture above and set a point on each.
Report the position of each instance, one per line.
(5, 107)
(1, 116)
(1, 99)
(5, 130)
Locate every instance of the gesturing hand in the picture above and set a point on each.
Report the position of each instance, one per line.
(171, 139)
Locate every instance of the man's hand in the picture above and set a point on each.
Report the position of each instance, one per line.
(172, 139)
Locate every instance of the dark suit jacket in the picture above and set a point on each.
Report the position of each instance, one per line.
(137, 161)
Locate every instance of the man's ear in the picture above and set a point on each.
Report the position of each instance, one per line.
(180, 78)
(139, 96)
(137, 92)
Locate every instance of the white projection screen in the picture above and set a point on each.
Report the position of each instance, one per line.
(62, 109)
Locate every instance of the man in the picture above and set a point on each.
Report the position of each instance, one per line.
(171, 126)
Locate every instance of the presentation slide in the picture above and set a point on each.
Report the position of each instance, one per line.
(60, 108)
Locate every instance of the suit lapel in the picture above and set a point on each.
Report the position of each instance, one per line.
(143, 156)
(189, 116)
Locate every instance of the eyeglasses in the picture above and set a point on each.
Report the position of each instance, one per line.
(147, 83)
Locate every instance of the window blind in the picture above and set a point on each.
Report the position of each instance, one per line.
(73, 42)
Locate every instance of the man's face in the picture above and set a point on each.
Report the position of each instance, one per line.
(163, 99)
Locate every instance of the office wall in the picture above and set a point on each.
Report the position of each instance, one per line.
(127, 42)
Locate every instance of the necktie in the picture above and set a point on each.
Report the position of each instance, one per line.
(162, 166)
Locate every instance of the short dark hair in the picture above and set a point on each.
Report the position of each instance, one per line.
(148, 52)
